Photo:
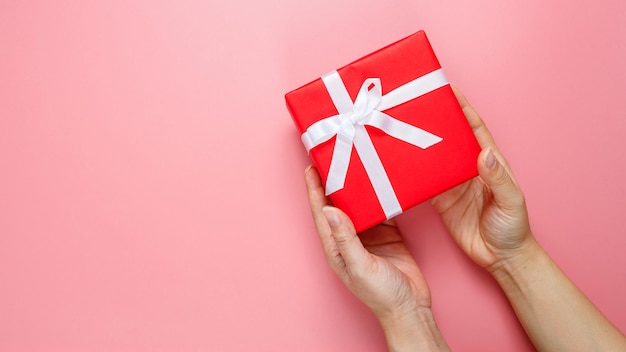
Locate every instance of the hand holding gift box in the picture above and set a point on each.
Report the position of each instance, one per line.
(411, 140)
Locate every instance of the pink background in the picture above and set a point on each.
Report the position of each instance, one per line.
(151, 194)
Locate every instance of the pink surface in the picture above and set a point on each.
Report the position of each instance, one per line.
(151, 194)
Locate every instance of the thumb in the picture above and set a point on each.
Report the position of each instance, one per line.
(348, 243)
(498, 178)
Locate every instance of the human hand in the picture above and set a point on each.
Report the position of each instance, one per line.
(378, 268)
(487, 215)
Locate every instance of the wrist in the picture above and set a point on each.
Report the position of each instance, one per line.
(516, 272)
(412, 331)
(511, 259)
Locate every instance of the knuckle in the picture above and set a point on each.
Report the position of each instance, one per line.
(343, 241)
(502, 177)
(335, 261)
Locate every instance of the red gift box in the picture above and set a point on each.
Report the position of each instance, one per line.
(385, 132)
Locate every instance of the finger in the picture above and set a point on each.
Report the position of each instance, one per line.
(506, 192)
(348, 243)
(381, 234)
(481, 132)
(483, 136)
(317, 200)
(389, 222)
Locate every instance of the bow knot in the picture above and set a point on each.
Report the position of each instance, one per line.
(366, 102)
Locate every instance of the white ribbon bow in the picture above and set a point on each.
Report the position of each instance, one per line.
(349, 127)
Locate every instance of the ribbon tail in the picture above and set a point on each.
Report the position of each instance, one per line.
(402, 130)
(413, 89)
(339, 165)
(376, 173)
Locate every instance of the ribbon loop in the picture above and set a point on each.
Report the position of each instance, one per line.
(367, 100)
(349, 127)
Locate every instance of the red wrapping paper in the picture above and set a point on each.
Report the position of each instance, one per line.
(416, 174)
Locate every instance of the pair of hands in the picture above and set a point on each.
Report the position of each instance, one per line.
(486, 216)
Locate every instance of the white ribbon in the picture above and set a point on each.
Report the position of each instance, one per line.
(349, 127)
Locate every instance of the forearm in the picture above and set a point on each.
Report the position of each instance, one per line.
(554, 312)
(416, 331)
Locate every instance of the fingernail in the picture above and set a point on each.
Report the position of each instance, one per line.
(307, 169)
(331, 216)
(490, 160)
